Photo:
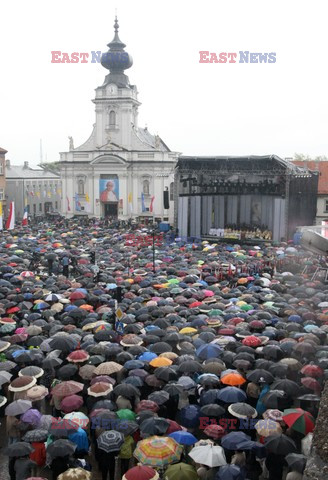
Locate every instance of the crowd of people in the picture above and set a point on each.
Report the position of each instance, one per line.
(190, 361)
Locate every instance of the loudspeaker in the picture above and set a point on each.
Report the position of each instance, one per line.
(166, 199)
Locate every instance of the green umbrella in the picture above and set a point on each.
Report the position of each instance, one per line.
(125, 414)
(7, 328)
(215, 312)
(173, 280)
(181, 471)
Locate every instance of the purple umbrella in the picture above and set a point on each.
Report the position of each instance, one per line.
(32, 416)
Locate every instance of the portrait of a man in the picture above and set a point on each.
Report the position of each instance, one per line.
(108, 190)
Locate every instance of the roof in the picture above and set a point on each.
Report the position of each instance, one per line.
(251, 162)
(19, 171)
(322, 168)
(2, 150)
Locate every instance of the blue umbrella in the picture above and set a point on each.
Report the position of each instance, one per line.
(231, 395)
(133, 364)
(209, 350)
(111, 286)
(184, 438)
(189, 416)
(229, 472)
(211, 396)
(147, 356)
(232, 440)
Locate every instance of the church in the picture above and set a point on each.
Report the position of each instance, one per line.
(122, 171)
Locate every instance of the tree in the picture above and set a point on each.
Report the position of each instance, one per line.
(306, 158)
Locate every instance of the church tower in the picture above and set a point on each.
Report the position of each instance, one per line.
(122, 170)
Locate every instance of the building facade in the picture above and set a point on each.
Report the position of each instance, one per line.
(322, 199)
(122, 170)
(37, 188)
(3, 176)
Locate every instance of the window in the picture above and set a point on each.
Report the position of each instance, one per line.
(80, 186)
(1, 194)
(34, 208)
(1, 168)
(56, 205)
(112, 118)
(172, 191)
(326, 206)
(40, 207)
(145, 187)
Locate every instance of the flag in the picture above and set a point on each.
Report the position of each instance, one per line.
(10, 223)
(68, 205)
(87, 198)
(38, 194)
(44, 192)
(151, 204)
(1, 217)
(130, 201)
(49, 194)
(77, 203)
(88, 206)
(143, 206)
(24, 221)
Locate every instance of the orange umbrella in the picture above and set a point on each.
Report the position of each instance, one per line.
(86, 307)
(160, 362)
(233, 379)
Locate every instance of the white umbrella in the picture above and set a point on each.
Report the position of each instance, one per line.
(209, 455)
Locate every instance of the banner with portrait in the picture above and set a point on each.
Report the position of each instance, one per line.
(109, 190)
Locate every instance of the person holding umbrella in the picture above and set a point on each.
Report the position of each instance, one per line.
(23, 467)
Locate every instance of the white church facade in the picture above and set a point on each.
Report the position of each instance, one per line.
(122, 170)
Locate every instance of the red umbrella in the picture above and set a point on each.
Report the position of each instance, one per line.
(256, 324)
(12, 310)
(147, 405)
(71, 403)
(64, 389)
(214, 431)
(77, 295)
(141, 472)
(299, 420)
(252, 341)
(311, 383)
(235, 321)
(78, 356)
(312, 371)
(173, 427)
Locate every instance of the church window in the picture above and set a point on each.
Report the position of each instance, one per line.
(80, 185)
(145, 187)
(172, 191)
(112, 118)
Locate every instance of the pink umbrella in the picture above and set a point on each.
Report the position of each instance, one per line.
(71, 403)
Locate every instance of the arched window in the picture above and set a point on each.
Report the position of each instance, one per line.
(112, 118)
(80, 185)
(145, 187)
(172, 191)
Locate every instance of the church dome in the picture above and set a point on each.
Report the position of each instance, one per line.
(116, 60)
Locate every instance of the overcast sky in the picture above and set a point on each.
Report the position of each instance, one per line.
(196, 108)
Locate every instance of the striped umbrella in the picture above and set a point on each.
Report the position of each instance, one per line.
(110, 441)
(158, 451)
(299, 420)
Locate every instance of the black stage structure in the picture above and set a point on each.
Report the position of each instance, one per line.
(245, 194)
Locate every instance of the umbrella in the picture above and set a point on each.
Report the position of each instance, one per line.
(230, 472)
(242, 410)
(62, 428)
(126, 390)
(299, 420)
(5, 377)
(232, 440)
(260, 375)
(233, 379)
(64, 389)
(110, 441)
(31, 371)
(36, 393)
(214, 431)
(296, 461)
(158, 451)
(18, 407)
(108, 368)
(189, 416)
(159, 397)
(209, 350)
(288, 386)
(125, 414)
(32, 416)
(78, 473)
(141, 472)
(166, 374)
(231, 395)
(38, 435)
(181, 471)
(61, 448)
(154, 426)
(71, 403)
(100, 389)
(268, 427)
(209, 455)
(212, 410)
(19, 449)
(78, 356)
(280, 444)
(312, 371)
(21, 384)
(184, 438)
(79, 418)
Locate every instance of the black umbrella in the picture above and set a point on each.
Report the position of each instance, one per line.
(280, 444)
(159, 397)
(65, 344)
(160, 347)
(276, 399)
(166, 374)
(110, 441)
(154, 426)
(288, 386)
(260, 375)
(190, 367)
(278, 370)
(36, 436)
(212, 410)
(61, 448)
(126, 390)
(67, 371)
(19, 449)
(296, 461)
(62, 427)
